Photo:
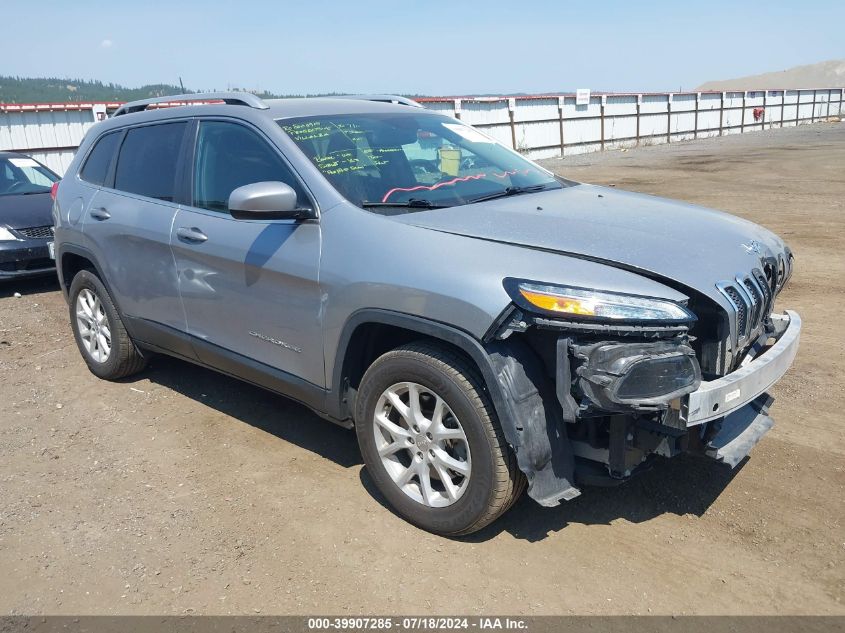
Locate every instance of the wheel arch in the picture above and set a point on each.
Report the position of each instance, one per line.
(369, 333)
(512, 376)
(71, 259)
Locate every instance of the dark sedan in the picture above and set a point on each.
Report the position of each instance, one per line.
(26, 223)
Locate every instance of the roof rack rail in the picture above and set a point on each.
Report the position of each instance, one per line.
(383, 99)
(231, 98)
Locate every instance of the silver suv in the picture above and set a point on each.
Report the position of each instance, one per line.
(483, 324)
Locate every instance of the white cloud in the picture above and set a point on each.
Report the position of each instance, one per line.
(106, 44)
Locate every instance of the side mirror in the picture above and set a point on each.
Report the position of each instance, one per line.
(266, 201)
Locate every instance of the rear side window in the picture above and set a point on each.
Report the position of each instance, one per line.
(229, 156)
(147, 161)
(96, 166)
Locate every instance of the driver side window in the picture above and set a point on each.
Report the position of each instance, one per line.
(229, 156)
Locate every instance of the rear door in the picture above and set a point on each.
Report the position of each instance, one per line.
(128, 221)
(249, 287)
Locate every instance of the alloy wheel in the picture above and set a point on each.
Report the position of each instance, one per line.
(93, 325)
(421, 444)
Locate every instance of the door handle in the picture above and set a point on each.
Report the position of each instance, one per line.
(99, 214)
(192, 234)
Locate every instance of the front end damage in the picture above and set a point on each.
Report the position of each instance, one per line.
(593, 403)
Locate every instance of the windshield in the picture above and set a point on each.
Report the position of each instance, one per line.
(22, 175)
(412, 160)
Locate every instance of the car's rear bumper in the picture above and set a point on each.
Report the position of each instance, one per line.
(724, 396)
(25, 258)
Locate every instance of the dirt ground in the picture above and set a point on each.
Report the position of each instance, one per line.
(181, 491)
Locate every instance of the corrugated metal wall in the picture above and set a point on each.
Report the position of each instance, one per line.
(538, 126)
(50, 133)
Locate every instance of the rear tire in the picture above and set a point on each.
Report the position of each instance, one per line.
(102, 339)
(472, 475)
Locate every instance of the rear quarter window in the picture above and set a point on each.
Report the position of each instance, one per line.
(96, 166)
(147, 161)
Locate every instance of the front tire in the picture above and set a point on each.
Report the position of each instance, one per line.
(431, 441)
(102, 339)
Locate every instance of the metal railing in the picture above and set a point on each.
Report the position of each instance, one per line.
(545, 126)
(229, 98)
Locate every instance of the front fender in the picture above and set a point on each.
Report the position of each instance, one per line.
(515, 382)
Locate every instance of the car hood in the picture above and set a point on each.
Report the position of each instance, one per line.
(691, 245)
(23, 212)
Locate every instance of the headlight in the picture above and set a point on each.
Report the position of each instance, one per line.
(594, 304)
(637, 374)
(6, 235)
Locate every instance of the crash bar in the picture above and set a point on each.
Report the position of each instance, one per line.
(231, 98)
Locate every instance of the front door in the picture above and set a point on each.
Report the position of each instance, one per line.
(249, 287)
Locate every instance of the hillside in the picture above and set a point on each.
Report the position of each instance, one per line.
(58, 90)
(829, 74)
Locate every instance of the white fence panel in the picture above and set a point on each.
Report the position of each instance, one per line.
(539, 126)
(774, 108)
(805, 104)
(682, 121)
(537, 135)
(537, 109)
(582, 130)
(484, 112)
(837, 107)
(790, 108)
(502, 133)
(620, 128)
(620, 120)
(442, 107)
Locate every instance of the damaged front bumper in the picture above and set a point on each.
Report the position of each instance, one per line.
(720, 398)
(739, 432)
(594, 436)
(740, 399)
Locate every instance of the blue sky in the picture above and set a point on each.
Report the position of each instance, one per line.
(412, 46)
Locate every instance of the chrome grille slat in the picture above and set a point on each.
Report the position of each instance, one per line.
(756, 302)
(766, 289)
(740, 311)
(751, 299)
(742, 291)
(763, 284)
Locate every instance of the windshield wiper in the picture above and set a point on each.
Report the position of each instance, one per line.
(510, 191)
(413, 203)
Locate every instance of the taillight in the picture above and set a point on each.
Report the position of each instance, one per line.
(54, 190)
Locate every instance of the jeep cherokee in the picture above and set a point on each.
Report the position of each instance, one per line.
(484, 325)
